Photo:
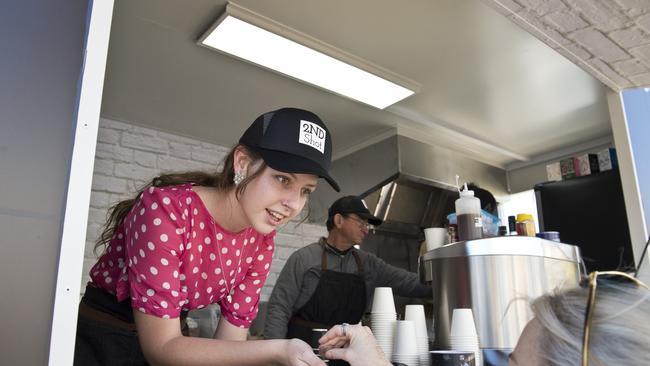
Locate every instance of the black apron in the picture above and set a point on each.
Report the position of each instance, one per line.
(104, 337)
(339, 298)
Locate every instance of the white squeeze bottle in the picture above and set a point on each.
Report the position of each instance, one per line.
(468, 215)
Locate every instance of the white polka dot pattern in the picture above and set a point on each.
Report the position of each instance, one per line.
(170, 274)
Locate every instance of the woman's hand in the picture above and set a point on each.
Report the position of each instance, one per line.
(354, 344)
(299, 353)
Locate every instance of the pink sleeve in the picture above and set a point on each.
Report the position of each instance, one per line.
(154, 246)
(242, 309)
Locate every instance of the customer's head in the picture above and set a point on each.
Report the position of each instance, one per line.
(620, 328)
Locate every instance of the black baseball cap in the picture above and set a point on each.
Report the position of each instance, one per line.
(292, 140)
(353, 204)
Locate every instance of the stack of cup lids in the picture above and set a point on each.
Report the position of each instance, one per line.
(382, 319)
(405, 350)
(415, 313)
(463, 335)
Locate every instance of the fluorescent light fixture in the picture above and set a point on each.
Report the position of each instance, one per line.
(254, 38)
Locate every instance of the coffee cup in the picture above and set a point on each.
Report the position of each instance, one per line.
(405, 340)
(462, 323)
(316, 334)
(415, 313)
(435, 237)
(383, 301)
(452, 358)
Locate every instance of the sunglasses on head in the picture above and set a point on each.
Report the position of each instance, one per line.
(592, 283)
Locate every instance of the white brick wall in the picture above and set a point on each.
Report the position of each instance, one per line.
(129, 156)
(609, 39)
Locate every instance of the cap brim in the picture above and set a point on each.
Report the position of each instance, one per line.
(290, 163)
(373, 220)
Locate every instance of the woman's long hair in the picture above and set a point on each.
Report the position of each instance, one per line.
(223, 181)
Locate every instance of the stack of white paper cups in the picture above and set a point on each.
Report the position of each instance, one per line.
(463, 335)
(415, 313)
(405, 348)
(382, 318)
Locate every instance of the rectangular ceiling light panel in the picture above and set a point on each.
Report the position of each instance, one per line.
(257, 45)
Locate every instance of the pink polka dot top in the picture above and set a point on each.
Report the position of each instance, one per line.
(170, 255)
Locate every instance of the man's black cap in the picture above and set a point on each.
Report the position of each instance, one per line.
(353, 204)
(292, 140)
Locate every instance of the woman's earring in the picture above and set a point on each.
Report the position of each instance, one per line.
(238, 178)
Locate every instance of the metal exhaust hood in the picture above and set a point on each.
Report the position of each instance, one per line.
(405, 182)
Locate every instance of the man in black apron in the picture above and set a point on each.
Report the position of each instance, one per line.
(329, 282)
(339, 298)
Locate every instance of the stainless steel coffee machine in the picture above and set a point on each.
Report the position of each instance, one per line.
(497, 278)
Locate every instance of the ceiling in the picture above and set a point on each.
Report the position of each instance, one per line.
(489, 89)
(609, 39)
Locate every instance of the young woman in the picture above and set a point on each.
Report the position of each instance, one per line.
(192, 239)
